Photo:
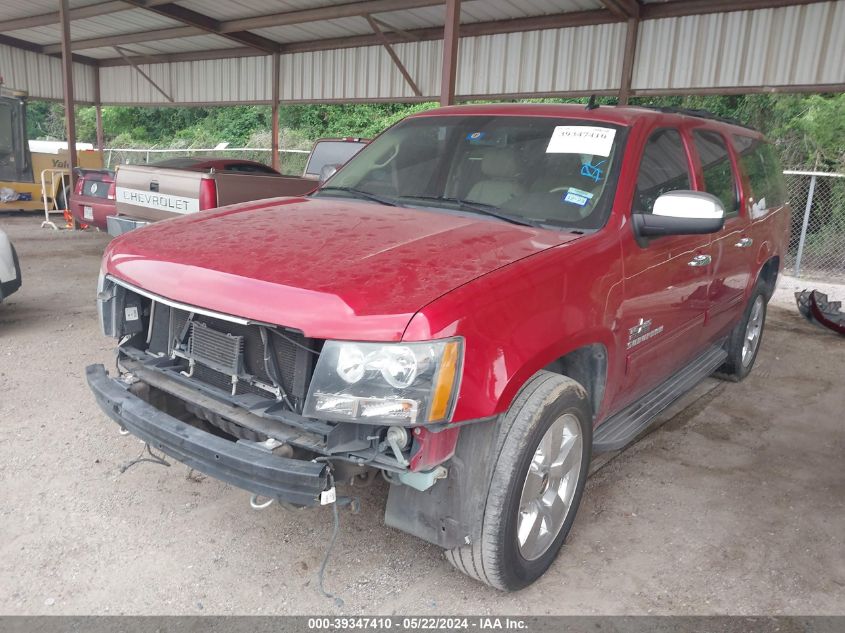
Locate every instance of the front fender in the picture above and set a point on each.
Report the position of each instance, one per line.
(520, 318)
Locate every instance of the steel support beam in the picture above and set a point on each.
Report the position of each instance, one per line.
(98, 109)
(451, 33)
(143, 74)
(628, 60)
(275, 111)
(622, 8)
(36, 48)
(67, 80)
(79, 13)
(406, 34)
(206, 24)
(392, 53)
(332, 12)
(126, 38)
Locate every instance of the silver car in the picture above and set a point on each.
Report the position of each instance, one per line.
(10, 268)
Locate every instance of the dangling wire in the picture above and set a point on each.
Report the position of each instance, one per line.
(153, 459)
(335, 530)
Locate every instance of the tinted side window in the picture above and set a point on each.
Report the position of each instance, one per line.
(664, 167)
(759, 162)
(716, 166)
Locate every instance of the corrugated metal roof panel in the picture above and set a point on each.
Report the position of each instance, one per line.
(185, 44)
(15, 10)
(484, 10)
(769, 47)
(240, 80)
(237, 9)
(41, 76)
(795, 45)
(560, 60)
(131, 21)
(341, 27)
(359, 73)
(471, 10)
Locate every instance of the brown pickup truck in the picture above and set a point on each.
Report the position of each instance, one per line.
(149, 193)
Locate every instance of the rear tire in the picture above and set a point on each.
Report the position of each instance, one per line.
(744, 342)
(542, 458)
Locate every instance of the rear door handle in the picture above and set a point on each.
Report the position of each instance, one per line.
(699, 260)
(745, 242)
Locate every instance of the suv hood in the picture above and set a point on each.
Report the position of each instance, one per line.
(331, 268)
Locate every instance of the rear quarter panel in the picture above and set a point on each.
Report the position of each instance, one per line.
(770, 232)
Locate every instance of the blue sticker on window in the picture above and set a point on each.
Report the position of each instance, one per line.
(593, 172)
(577, 196)
(475, 136)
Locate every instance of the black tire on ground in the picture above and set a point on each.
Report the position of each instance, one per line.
(738, 364)
(495, 558)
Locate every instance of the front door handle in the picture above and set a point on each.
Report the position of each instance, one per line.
(745, 242)
(699, 260)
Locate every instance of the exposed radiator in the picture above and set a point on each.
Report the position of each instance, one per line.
(219, 350)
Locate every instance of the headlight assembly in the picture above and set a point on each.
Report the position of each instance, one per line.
(378, 383)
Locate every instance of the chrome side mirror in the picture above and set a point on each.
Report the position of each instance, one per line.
(681, 213)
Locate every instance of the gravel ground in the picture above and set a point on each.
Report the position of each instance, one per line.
(734, 506)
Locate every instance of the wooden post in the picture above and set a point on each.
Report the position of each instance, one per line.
(67, 79)
(98, 109)
(451, 30)
(628, 60)
(276, 164)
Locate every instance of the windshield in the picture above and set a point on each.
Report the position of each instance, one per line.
(529, 170)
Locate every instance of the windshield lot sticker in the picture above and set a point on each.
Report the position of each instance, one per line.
(581, 139)
(591, 171)
(577, 196)
(475, 136)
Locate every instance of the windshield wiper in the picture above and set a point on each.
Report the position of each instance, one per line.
(480, 208)
(361, 194)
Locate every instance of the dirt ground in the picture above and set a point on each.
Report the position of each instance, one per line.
(736, 505)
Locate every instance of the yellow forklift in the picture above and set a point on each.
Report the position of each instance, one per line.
(35, 180)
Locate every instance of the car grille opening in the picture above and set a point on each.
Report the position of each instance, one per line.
(220, 349)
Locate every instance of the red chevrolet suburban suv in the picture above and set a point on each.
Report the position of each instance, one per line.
(480, 300)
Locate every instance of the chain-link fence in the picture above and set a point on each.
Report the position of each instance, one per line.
(291, 161)
(817, 237)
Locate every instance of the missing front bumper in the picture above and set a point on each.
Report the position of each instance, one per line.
(290, 480)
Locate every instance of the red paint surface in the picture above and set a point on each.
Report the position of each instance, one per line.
(331, 268)
(520, 297)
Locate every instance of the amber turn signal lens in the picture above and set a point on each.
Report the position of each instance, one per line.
(444, 383)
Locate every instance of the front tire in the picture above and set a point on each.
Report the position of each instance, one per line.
(542, 459)
(744, 342)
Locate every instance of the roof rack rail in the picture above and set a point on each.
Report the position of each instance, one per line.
(701, 114)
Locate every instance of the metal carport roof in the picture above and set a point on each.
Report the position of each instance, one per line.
(190, 52)
(206, 51)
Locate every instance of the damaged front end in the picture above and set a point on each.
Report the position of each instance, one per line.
(262, 406)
